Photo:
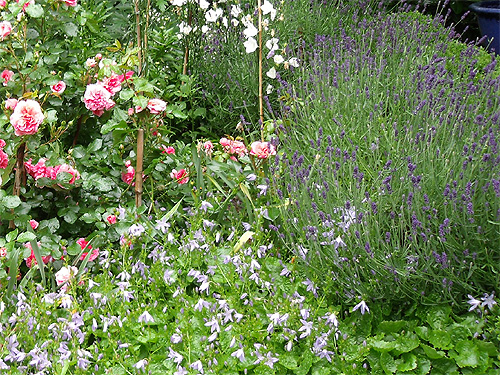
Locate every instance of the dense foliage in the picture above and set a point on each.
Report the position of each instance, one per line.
(176, 199)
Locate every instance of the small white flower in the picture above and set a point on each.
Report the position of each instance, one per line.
(204, 4)
(250, 31)
(294, 62)
(278, 59)
(267, 7)
(271, 73)
(250, 45)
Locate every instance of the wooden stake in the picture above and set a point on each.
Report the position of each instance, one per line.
(138, 31)
(138, 167)
(20, 176)
(261, 106)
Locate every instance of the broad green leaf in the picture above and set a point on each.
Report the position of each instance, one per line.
(407, 362)
(141, 84)
(391, 326)
(288, 360)
(381, 345)
(126, 94)
(11, 236)
(34, 10)
(440, 339)
(406, 343)
(431, 352)
(11, 201)
(387, 362)
(26, 237)
(467, 354)
(70, 29)
(95, 146)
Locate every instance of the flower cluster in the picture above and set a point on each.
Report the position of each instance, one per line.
(98, 96)
(41, 170)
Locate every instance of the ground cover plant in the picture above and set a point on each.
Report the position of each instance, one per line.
(227, 187)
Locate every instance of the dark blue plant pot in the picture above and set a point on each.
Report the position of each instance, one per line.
(488, 15)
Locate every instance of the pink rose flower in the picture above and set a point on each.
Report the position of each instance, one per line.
(130, 111)
(11, 103)
(59, 87)
(97, 99)
(168, 150)
(98, 56)
(64, 276)
(113, 83)
(31, 260)
(4, 158)
(36, 171)
(3, 252)
(129, 74)
(34, 224)
(3, 3)
(180, 176)
(262, 149)
(208, 147)
(138, 109)
(156, 106)
(233, 147)
(70, 3)
(7, 76)
(90, 63)
(129, 175)
(68, 169)
(5, 29)
(93, 255)
(111, 219)
(26, 4)
(27, 117)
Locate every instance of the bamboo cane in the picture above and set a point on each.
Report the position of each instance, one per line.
(20, 176)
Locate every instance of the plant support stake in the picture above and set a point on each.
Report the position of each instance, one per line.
(138, 167)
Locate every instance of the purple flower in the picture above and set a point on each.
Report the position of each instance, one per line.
(362, 307)
(145, 318)
(136, 230)
(240, 354)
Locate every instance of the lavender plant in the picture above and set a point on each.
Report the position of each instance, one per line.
(391, 164)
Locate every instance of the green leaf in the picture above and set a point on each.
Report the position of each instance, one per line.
(11, 201)
(467, 354)
(305, 364)
(440, 339)
(381, 345)
(431, 352)
(26, 237)
(11, 236)
(34, 10)
(387, 362)
(141, 84)
(126, 94)
(406, 343)
(391, 326)
(94, 146)
(407, 362)
(288, 360)
(70, 29)
(140, 101)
